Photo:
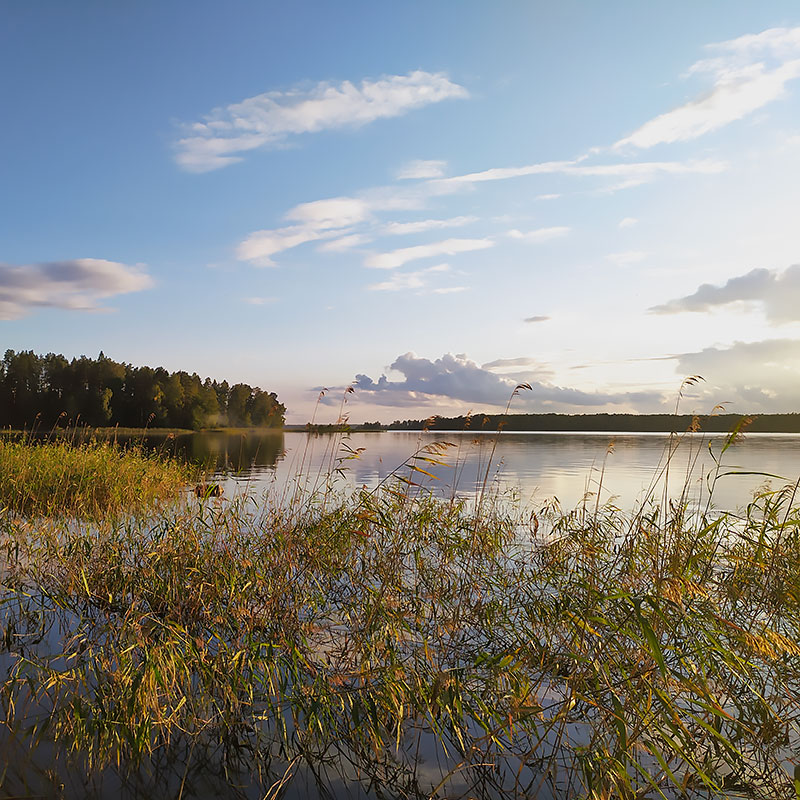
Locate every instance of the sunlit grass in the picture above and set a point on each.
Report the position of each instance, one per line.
(391, 643)
(89, 480)
(587, 654)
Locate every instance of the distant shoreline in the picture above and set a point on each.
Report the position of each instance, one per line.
(580, 423)
(490, 423)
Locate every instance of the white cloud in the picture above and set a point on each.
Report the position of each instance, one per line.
(75, 284)
(450, 290)
(628, 222)
(404, 228)
(749, 73)
(333, 212)
(637, 171)
(455, 377)
(259, 247)
(420, 170)
(505, 363)
(450, 247)
(268, 119)
(778, 293)
(344, 243)
(401, 281)
(319, 219)
(259, 301)
(539, 235)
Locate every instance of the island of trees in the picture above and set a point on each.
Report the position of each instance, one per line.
(100, 392)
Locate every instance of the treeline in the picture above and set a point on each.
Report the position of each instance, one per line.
(49, 390)
(639, 423)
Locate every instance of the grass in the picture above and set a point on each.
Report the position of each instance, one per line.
(89, 480)
(388, 644)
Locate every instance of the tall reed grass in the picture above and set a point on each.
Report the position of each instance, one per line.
(394, 645)
(59, 477)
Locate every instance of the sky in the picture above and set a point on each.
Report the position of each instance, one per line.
(431, 203)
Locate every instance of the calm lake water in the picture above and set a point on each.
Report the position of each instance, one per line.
(536, 467)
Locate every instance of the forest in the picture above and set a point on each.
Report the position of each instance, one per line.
(50, 390)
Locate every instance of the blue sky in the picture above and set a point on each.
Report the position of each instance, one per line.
(430, 201)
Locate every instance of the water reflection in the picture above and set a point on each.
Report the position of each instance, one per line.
(539, 466)
(535, 467)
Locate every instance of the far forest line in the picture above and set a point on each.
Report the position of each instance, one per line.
(633, 423)
(50, 390)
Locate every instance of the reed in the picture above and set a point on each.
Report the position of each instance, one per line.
(393, 644)
(60, 477)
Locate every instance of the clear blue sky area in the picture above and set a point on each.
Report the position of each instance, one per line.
(432, 202)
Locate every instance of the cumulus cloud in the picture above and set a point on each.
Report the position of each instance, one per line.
(410, 280)
(269, 119)
(76, 284)
(777, 293)
(455, 377)
(539, 235)
(746, 74)
(753, 376)
(628, 222)
(421, 170)
(449, 247)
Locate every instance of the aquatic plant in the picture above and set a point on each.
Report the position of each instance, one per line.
(87, 479)
(408, 646)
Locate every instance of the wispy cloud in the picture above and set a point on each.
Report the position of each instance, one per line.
(449, 247)
(539, 318)
(268, 119)
(259, 247)
(420, 170)
(401, 281)
(344, 243)
(506, 363)
(777, 293)
(747, 74)
(450, 290)
(77, 284)
(319, 219)
(633, 173)
(259, 301)
(628, 222)
(539, 235)
(420, 226)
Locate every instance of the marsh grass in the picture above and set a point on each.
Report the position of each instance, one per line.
(391, 644)
(59, 477)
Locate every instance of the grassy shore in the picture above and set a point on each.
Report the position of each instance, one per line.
(401, 646)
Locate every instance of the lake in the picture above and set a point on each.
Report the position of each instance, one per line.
(535, 467)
